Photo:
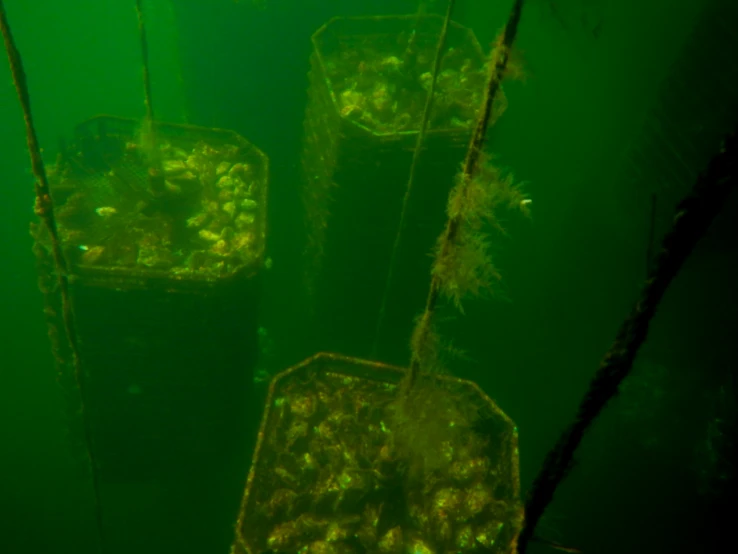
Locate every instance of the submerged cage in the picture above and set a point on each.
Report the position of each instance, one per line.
(160, 281)
(164, 287)
(341, 467)
(204, 222)
(369, 81)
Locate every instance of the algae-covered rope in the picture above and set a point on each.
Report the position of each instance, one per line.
(44, 209)
(145, 56)
(156, 177)
(410, 57)
(693, 217)
(499, 62)
(413, 168)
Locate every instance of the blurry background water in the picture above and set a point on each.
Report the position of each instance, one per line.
(646, 478)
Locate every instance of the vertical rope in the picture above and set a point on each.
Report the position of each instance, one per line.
(693, 217)
(145, 55)
(185, 115)
(410, 57)
(44, 209)
(500, 59)
(413, 167)
(156, 176)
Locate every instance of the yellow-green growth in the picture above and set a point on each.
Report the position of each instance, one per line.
(462, 262)
(429, 349)
(425, 343)
(147, 144)
(432, 427)
(463, 265)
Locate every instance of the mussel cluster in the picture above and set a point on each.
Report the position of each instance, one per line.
(204, 219)
(330, 477)
(385, 90)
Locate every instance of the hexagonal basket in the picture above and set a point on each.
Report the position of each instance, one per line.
(206, 223)
(368, 85)
(347, 463)
(165, 290)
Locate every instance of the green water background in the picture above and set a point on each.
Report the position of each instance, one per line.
(571, 274)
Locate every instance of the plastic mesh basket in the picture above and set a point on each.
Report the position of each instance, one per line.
(165, 290)
(336, 469)
(205, 223)
(368, 84)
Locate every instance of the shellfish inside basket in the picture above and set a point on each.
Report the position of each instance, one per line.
(346, 464)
